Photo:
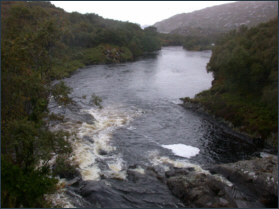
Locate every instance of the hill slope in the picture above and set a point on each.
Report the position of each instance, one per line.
(245, 86)
(222, 18)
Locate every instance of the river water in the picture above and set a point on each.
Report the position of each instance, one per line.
(141, 131)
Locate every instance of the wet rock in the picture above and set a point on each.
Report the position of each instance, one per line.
(81, 117)
(159, 172)
(133, 176)
(177, 171)
(115, 193)
(102, 152)
(97, 193)
(257, 177)
(89, 119)
(254, 185)
(199, 190)
(132, 167)
(88, 138)
(170, 173)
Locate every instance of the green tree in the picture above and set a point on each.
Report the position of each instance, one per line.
(29, 37)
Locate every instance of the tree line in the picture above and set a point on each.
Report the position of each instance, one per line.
(244, 64)
(41, 43)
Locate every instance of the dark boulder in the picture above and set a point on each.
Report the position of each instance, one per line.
(200, 191)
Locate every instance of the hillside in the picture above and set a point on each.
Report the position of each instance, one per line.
(222, 18)
(245, 86)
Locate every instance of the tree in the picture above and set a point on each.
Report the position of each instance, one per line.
(28, 40)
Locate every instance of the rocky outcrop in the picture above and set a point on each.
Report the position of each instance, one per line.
(199, 190)
(245, 184)
(259, 176)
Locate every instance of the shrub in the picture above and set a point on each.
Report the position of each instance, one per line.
(64, 168)
(96, 100)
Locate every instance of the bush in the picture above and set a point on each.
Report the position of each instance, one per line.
(96, 100)
(64, 168)
(24, 189)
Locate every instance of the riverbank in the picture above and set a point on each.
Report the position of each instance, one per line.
(228, 117)
(244, 184)
(128, 163)
(248, 183)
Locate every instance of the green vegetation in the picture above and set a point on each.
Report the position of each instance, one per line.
(245, 86)
(64, 168)
(96, 100)
(198, 39)
(171, 39)
(41, 43)
(195, 43)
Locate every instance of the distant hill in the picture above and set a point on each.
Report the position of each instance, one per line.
(222, 18)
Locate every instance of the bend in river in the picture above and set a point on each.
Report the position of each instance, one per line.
(141, 129)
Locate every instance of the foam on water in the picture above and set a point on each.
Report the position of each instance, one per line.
(90, 142)
(84, 155)
(59, 198)
(93, 140)
(183, 150)
(165, 162)
(116, 169)
(139, 170)
(107, 120)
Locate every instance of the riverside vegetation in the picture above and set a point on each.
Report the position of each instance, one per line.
(41, 43)
(245, 86)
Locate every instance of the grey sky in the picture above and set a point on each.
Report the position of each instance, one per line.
(141, 12)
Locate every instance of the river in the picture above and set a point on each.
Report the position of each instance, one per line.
(141, 130)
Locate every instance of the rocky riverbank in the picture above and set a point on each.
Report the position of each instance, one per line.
(267, 144)
(246, 184)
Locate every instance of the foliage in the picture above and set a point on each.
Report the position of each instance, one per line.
(96, 100)
(64, 168)
(245, 87)
(61, 92)
(41, 43)
(31, 38)
(247, 59)
(19, 188)
(171, 39)
(197, 43)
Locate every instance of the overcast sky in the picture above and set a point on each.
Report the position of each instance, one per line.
(141, 12)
